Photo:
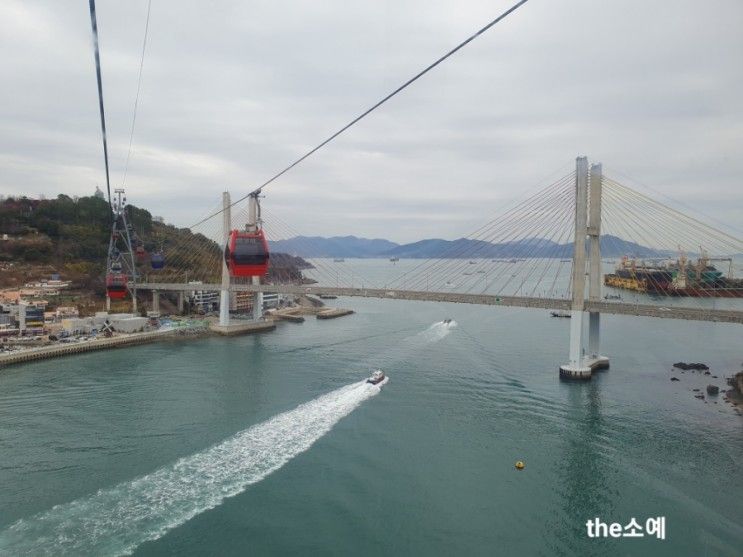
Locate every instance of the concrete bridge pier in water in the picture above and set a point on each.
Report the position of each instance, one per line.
(583, 360)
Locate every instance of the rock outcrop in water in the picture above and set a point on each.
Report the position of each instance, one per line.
(693, 366)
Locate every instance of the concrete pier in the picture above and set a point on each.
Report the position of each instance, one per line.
(288, 315)
(246, 328)
(333, 313)
(583, 371)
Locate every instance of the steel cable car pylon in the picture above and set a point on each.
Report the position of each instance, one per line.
(121, 271)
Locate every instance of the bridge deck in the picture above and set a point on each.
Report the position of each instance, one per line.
(643, 310)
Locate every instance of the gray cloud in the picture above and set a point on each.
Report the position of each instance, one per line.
(233, 91)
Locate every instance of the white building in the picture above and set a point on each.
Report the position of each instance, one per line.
(205, 300)
(129, 324)
(271, 300)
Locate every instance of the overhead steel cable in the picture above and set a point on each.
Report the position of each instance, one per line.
(94, 25)
(692, 222)
(506, 228)
(554, 231)
(695, 210)
(375, 106)
(136, 98)
(308, 246)
(509, 231)
(485, 231)
(554, 214)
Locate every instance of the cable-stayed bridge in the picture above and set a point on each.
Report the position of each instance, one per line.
(582, 246)
(556, 249)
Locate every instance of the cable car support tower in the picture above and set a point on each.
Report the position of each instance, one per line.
(121, 271)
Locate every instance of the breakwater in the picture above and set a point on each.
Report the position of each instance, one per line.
(58, 350)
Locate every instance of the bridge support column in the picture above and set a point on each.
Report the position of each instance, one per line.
(582, 364)
(180, 303)
(253, 216)
(224, 296)
(594, 357)
(156, 301)
(576, 367)
(108, 304)
(257, 301)
(21, 317)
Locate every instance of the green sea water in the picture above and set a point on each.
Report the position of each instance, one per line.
(272, 445)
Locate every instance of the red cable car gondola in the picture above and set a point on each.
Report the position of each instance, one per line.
(247, 254)
(116, 285)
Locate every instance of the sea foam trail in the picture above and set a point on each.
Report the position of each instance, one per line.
(116, 520)
(437, 331)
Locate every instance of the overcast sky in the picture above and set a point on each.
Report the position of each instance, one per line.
(235, 90)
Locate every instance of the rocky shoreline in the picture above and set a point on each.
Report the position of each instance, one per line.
(732, 396)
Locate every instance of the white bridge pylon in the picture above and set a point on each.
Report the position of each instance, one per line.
(584, 357)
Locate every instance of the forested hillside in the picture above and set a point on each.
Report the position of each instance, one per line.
(71, 236)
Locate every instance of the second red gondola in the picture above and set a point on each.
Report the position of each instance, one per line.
(116, 285)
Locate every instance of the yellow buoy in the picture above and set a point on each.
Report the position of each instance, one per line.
(520, 465)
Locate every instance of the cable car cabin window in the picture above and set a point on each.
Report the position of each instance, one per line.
(116, 283)
(249, 251)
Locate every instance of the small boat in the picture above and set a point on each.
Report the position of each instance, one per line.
(377, 378)
(394, 259)
(446, 321)
(338, 260)
(559, 314)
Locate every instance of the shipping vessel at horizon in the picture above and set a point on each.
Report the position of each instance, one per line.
(676, 278)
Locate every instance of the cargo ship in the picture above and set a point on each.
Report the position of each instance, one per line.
(676, 278)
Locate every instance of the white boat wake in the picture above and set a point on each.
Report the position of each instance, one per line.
(411, 345)
(438, 330)
(116, 520)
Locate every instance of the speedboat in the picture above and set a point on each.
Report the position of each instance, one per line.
(377, 378)
(447, 321)
(559, 314)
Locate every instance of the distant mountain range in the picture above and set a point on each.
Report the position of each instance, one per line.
(463, 248)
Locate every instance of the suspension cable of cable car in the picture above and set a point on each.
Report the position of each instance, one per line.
(94, 24)
(373, 108)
